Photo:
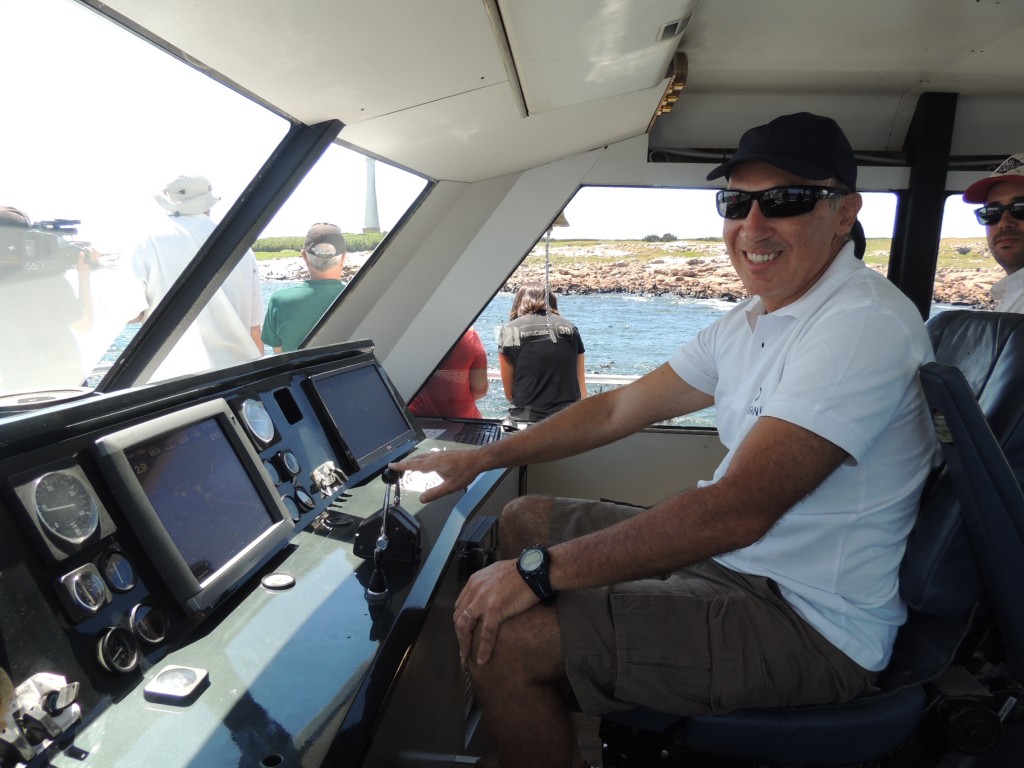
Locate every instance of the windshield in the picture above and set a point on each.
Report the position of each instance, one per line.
(633, 274)
(121, 160)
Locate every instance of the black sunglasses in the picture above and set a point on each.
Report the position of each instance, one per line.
(776, 203)
(991, 214)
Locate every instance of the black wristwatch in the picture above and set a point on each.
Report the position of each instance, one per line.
(533, 565)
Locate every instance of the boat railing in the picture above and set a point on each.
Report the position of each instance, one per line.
(596, 382)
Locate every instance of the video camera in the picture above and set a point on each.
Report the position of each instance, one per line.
(46, 247)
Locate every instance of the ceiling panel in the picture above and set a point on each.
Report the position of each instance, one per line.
(479, 135)
(571, 53)
(346, 60)
(425, 84)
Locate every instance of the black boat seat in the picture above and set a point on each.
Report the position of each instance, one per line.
(939, 579)
(993, 503)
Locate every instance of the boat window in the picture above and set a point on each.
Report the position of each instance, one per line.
(98, 123)
(352, 201)
(965, 269)
(639, 272)
(120, 161)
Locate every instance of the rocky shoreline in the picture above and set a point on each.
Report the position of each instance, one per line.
(628, 268)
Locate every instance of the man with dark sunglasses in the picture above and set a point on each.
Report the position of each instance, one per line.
(774, 583)
(1002, 214)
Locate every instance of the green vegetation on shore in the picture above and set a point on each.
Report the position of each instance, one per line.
(285, 247)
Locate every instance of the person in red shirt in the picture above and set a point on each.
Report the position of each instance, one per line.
(457, 383)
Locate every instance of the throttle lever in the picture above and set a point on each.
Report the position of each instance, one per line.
(391, 533)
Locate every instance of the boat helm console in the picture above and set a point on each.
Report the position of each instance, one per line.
(136, 527)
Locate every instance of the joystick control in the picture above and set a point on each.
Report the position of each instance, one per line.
(390, 533)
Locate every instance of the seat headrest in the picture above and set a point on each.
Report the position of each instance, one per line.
(988, 348)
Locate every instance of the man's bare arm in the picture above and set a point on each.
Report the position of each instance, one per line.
(777, 465)
(590, 423)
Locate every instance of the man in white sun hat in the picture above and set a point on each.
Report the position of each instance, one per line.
(1002, 213)
(227, 331)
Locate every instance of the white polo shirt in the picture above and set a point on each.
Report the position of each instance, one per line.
(1009, 293)
(842, 362)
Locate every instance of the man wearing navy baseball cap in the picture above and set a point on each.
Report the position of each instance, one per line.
(774, 582)
(1002, 213)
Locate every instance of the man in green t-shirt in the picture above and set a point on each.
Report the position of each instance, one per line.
(292, 312)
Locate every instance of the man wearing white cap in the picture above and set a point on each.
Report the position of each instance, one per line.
(1002, 213)
(229, 326)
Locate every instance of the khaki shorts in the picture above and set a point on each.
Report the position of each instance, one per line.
(702, 639)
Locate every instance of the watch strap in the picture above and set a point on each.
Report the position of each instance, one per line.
(539, 580)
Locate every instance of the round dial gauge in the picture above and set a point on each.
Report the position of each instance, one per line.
(89, 591)
(66, 507)
(288, 463)
(289, 504)
(118, 571)
(257, 419)
(304, 498)
(117, 650)
(149, 623)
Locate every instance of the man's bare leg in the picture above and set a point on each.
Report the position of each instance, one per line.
(524, 521)
(522, 689)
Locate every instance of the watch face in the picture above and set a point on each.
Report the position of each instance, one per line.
(531, 559)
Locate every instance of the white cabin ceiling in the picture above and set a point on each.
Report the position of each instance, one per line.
(864, 63)
(456, 91)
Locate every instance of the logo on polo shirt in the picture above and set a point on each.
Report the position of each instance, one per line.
(753, 409)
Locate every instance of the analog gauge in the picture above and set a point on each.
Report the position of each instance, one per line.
(275, 476)
(148, 623)
(304, 498)
(118, 571)
(118, 650)
(257, 419)
(89, 591)
(289, 504)
(288, 463)
(66, 507)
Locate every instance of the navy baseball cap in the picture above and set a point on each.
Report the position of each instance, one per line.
(811, 146)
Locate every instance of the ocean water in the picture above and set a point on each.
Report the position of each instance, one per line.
(624, 335)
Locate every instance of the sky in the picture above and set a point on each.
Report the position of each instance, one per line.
(103, 121)
(689, 213)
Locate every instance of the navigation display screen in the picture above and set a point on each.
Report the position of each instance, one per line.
(198, 498)
(201, 493)
(363, 410)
